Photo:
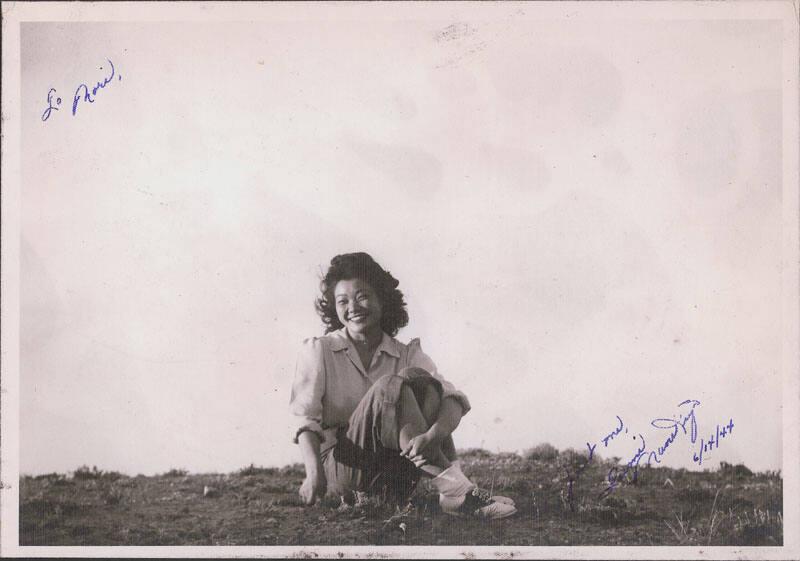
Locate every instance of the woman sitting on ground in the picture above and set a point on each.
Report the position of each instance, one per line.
(373, 413)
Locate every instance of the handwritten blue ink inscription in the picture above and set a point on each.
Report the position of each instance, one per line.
(50, 106)
(616, 475)
(684, 422)
(83, 93)
(674, 425)
(610, 436)
(713, 441)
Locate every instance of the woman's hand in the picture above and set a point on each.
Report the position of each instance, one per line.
(313, 487)
(416, 447)
(315, 484)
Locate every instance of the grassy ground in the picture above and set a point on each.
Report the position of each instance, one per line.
(558, 496)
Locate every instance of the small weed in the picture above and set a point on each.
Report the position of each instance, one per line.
(681, 530)
(758, 528)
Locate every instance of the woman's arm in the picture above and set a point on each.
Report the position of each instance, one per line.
(454, 404)
(315, 484)
(306, 404)
(450, 413)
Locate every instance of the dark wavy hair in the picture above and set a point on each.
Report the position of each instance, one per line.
(362, 266)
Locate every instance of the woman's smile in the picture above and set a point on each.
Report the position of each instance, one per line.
(357, 306)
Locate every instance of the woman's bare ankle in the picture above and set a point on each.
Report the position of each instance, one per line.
(431, 470)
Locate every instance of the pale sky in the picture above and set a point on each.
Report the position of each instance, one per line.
(585, 220)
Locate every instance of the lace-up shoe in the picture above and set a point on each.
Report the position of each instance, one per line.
(478, 503)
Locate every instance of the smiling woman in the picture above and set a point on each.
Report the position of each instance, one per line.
(359, 309)
(373, 413)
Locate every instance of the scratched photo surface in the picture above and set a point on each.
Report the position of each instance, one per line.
(585, 221)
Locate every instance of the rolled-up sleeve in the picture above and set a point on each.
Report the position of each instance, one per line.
(308, 389)
(418, 358)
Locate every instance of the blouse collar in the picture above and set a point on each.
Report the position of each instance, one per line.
(388, 345)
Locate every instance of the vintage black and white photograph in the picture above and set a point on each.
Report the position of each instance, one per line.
(400, 279)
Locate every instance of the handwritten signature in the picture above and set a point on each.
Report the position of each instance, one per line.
(684, 423)
(82, 93)
(675, 425)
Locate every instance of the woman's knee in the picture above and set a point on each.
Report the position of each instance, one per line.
(414, 372)
(420, 381)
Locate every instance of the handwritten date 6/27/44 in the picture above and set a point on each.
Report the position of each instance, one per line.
(83, 93)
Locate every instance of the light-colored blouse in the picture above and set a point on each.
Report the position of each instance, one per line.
(330, 380)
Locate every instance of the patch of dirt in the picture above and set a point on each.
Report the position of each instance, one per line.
(260, 506)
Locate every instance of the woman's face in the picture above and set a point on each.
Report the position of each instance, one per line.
(357, 306)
